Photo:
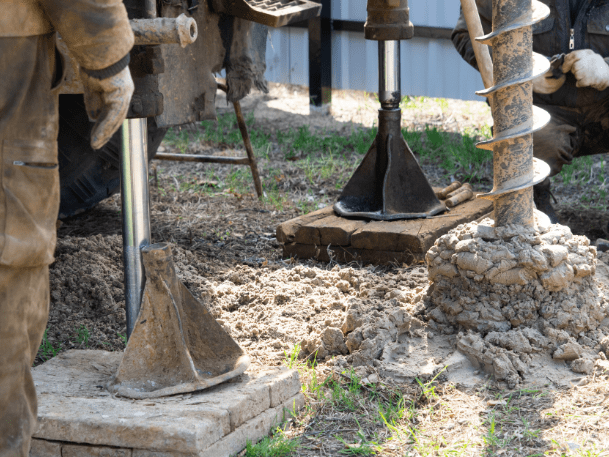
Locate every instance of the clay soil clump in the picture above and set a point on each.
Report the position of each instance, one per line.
(520, 297)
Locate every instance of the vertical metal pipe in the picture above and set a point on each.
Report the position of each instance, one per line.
(320, 58)
(150, 9)
(389, 74)
(136, 213)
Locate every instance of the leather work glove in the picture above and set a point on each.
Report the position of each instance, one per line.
(589, 68)
(547, 83)
(107, 102)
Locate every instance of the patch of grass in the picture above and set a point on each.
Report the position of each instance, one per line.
(453, 153)
(303, 142)
(226, 132)
(279, 445)
(347, 397)
(123, 337)
(579, 172)
(47, 350)
(82, 336)
(291, 357)
(362, 447)
(428, 389)
(178, 138)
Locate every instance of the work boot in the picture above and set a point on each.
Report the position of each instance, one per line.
(541, 197)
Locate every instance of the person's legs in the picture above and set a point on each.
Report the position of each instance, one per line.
(29, 202)
(555, 144)
(24, 301)
(595, 130)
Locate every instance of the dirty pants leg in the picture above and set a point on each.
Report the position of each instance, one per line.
(29, 203)
(24, 301)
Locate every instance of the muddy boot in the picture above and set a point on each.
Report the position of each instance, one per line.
(541, 197)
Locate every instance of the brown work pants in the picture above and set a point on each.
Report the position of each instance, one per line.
(572, 132)
(29, 202)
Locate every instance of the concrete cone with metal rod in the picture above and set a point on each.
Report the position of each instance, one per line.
(389, 183)
(518, 288)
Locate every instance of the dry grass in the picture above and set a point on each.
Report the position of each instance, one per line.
(345, 417)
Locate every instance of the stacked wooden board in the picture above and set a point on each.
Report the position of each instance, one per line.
(324, 236)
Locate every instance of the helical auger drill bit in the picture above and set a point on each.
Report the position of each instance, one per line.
(515, 65)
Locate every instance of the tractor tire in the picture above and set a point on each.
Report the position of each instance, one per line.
(88, 176)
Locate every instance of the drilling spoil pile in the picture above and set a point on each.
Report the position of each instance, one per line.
(516, 293)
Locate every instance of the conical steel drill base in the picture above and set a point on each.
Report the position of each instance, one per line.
(389, 183)
(176, 345)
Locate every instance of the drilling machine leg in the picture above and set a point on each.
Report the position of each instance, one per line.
(389, 183)
(136, 213)
(175, 345)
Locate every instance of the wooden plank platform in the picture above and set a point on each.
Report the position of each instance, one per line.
(324, 236)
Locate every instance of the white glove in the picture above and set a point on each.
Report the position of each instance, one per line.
(589, 68)
(546, 84)
(107, 102)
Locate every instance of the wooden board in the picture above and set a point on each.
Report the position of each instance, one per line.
(324, 236)
(287, 230)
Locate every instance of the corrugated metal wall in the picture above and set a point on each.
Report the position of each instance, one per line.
(430, 67)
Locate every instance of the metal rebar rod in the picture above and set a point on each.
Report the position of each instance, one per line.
(150, 9)
(248, 148)
(136, 213)
(202, 159)
(389, 74)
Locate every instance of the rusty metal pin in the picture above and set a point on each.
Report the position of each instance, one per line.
(459, 197)
(448, 189)
(467, 187)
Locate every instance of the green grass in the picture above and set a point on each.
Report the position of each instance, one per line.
(453, 153)
(362, 447)
(582, 173)
(304, 142)
(82, 336)
(224, 132)
(47, 350)
(276, 446)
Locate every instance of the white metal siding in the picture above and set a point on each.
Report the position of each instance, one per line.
(430, 67)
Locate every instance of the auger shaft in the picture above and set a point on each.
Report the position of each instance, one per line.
(513, 106)
(515, 171)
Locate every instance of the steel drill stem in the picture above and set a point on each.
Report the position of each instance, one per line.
(136, 213)
(389, 74)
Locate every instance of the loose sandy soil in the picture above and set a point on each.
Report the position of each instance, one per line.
(226, 254)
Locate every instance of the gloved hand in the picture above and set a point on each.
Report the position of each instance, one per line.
(547, 84)
(107, 102)
(589, 68)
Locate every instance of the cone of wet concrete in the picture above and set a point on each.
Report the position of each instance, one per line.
(176, 345)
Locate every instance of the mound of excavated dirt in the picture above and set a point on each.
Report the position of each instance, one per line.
(272, 310)
(87, 293)
(521, 294)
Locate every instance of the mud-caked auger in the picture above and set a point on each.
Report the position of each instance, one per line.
(515, 65)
